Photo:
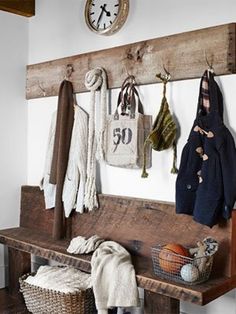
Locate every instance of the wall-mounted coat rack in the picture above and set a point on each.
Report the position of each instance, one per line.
(184, 55)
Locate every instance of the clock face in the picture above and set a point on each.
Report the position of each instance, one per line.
(106, 16)
(102, 13)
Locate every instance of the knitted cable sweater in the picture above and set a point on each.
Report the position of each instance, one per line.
(75, 179)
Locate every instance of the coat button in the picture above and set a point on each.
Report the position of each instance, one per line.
(189, 186)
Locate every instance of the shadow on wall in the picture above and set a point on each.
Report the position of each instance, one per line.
(226, 115)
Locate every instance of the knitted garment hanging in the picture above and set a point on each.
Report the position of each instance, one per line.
(74, 184)
(95, 80)
(64, 125)
(163, 134)
(75, 178)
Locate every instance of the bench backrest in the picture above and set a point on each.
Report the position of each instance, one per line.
(137, 224)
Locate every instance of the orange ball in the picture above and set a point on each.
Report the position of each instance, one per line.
(171, 257)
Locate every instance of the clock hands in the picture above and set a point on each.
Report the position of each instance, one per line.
(103, 9)
(107, 12)
(100, 16)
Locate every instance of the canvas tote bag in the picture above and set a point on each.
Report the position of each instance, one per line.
(127, 130)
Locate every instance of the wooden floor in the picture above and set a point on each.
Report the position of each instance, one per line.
(11, 305)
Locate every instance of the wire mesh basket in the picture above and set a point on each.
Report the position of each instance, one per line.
(175, 267)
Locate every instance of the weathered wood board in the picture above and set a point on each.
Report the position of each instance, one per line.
(20, 7)
(138, 224)
(183, 55)
(24, 240)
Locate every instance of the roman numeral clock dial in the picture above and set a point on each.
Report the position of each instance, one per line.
(105, 17)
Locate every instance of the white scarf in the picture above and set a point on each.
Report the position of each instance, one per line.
(95, 79)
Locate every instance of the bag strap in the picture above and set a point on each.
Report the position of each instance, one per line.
(134, 106)
(128, 99)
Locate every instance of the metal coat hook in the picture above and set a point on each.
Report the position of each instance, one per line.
(132, 79)
(164, 77)
(41, 88)
(69, 70)
(209, 64)
(127, 72)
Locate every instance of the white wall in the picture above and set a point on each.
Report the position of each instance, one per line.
(59, 30)
(13, 120)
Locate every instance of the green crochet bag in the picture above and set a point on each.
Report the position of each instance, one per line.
(164, 131)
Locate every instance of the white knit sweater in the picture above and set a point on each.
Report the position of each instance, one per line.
(75, 179)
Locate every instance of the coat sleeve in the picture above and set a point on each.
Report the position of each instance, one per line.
(49, 189)
(228, 165)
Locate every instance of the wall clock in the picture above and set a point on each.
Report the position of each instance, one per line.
(105, 17)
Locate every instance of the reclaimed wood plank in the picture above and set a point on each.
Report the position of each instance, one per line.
(182, 54)
(20, 7)
(34, 242)
(200, 294)
(233, 244)
(155, 303)
(137, 224)
(232, 48)
(33, 211)
(19, 263)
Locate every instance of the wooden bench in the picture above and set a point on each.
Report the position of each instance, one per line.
(138, 225)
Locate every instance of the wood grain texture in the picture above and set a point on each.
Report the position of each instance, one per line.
(28, 240)
(232, 48)
(137, 224)
(183, 55)
(154, 304)
(34, 242)
(20, 7)
(33, 211)
(19, 263)
(233, 244)
(10, 304)
(200, 294)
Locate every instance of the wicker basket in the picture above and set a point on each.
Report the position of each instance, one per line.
(180, 268)
(39, 300)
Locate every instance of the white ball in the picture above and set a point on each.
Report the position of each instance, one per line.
(189, 273)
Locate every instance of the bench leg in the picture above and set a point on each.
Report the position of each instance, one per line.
(19, 263)
(160, 304)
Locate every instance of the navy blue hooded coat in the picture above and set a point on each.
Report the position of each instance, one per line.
(206, 182)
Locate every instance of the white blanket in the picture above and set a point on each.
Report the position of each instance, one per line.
(113, 278)
(81, 245)
(62, 279)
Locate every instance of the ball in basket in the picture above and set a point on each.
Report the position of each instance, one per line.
(172, 257)
(189, 273)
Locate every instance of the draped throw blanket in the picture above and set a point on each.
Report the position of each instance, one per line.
(95, 80)
(81, 245)
(64, 126)
(113, 277)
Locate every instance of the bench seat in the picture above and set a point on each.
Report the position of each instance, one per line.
(137, 224)
(34, 242)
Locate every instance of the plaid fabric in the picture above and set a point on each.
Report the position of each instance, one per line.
(205, 93)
